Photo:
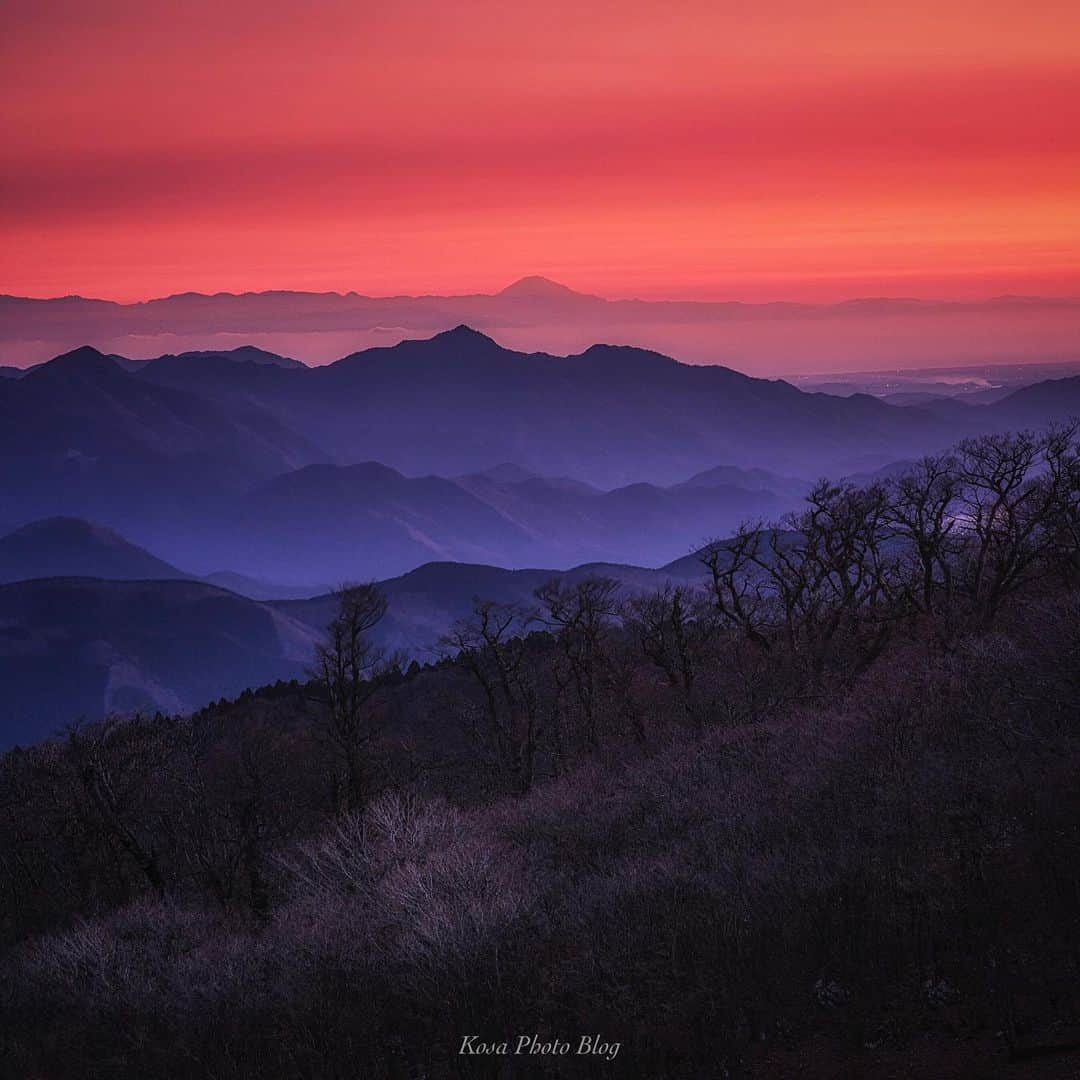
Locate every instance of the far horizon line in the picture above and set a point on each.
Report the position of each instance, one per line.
(546, 287)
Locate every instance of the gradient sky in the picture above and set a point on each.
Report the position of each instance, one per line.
(764, 150)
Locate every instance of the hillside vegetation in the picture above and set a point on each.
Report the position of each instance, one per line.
(794, 822)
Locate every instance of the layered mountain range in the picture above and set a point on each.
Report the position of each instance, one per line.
(254, 464)
(536, 312)
(174, 525)
(91, 623)
(607, 415)
(250, 463)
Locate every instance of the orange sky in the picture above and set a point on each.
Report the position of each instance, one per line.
(708, 150)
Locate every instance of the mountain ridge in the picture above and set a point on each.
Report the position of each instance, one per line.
(73, 547)
(542, 284)
(535, 312)
(411, 407)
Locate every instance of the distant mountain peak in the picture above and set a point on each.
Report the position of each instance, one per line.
(508, 473)
(245, 354)
(83, 354)
(63, 547)
(458, 345)
(626, 356)
(67, 523)
(81, 361)
(464, 335)
(536, 287)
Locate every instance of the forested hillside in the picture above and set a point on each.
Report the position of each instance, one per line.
(808, 819)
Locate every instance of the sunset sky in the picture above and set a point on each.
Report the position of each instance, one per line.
(807, 151)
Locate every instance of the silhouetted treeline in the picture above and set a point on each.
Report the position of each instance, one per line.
(830, 795)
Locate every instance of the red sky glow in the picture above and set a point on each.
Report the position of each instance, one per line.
(804, 151)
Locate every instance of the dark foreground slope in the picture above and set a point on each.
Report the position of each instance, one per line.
(879, 881)
(818, 818)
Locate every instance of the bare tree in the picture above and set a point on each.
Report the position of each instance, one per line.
(1061, 453)
(580, 615)
(1016, 494)
(820, 582)
(739, 582)
(923, 513)
(112, 760)
(671, 627)
(348, 668)
(234, 786)
(489, 645)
